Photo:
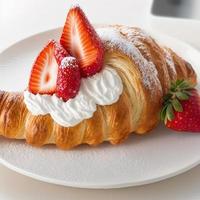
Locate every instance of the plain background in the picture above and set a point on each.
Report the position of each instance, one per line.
(21, 18)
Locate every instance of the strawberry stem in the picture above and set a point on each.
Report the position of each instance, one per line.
(179, 91)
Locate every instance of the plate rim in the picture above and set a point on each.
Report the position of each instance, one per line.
(97, 186)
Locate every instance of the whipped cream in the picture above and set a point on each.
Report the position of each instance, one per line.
(104, 88)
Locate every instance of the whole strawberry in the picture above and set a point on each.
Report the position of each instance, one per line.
(68, 79)
(181, 111)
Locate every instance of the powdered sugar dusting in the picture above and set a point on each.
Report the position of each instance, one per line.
(114, 39)
(169, 60)
(68, 62)
(136, 36)
(75, 6)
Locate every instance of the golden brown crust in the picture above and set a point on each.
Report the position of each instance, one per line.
(137, 109)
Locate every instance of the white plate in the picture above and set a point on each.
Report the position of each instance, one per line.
(140, 160)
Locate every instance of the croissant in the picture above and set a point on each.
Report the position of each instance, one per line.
(146, 70)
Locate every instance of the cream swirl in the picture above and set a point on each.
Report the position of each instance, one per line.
(103, 88)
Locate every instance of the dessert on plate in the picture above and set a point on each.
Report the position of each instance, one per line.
(100, 84)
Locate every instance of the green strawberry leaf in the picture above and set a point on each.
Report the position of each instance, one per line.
(179, 82)
(189, 93)
(184, 86)
(163, 112)
(169, 112)
(177, 105)
(167, 97)
(182, 96)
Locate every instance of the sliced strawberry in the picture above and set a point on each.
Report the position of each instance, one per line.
(81, 41)
(45, 69)
(69, 79)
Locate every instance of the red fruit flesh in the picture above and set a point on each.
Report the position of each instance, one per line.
(189, 119)
(81, 40)
(45, 69)
(69, 79)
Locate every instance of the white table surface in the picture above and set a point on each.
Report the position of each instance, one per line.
(21, 18)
